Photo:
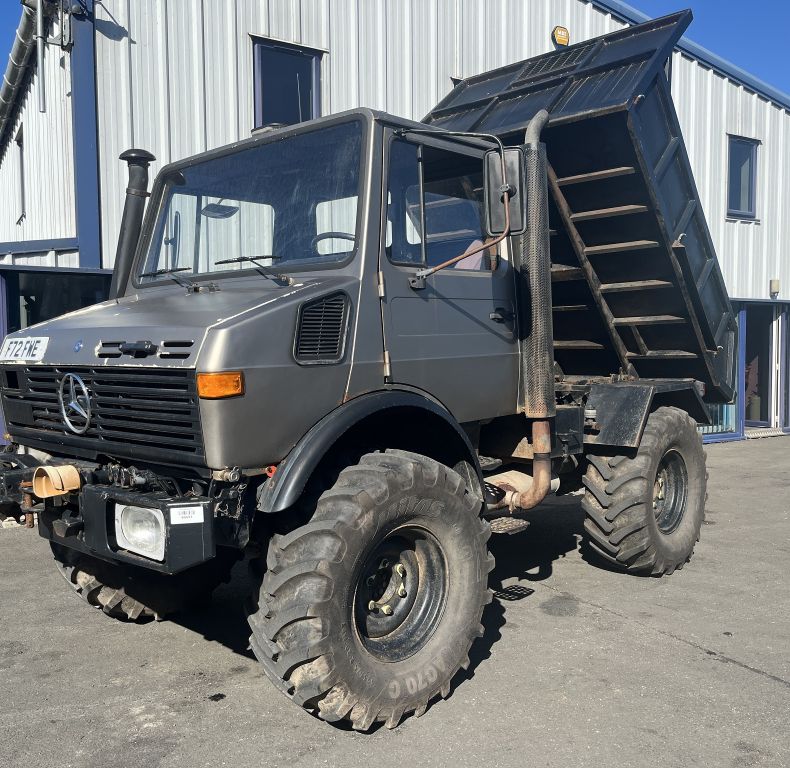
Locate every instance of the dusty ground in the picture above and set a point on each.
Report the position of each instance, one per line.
(579, 666)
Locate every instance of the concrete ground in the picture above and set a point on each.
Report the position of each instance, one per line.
(579, 666)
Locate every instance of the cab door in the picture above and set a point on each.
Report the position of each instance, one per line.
(455, 338)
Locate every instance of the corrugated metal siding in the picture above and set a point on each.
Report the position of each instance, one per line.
(710, 107)
(48, 160)
(176, 78)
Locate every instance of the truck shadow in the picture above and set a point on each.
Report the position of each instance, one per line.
(554, 531)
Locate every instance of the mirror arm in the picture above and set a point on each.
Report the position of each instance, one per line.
(418, 280)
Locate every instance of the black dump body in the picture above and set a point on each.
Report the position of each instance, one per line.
(636, 286)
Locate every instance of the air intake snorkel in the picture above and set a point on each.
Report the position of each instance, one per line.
(138, 161)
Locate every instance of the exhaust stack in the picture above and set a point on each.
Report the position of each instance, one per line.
(536, 335)
(138, 161)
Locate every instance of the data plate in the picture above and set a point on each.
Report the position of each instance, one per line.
(186, 515)
(24, 348)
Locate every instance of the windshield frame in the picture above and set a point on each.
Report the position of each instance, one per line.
(158, 199)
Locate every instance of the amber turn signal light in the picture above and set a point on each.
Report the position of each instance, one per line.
(213, 386)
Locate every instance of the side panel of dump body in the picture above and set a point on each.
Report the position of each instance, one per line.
(636, 286)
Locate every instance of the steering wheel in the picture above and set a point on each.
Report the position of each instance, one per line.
(331, 236)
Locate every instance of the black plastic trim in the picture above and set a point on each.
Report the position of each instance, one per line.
(285, 488)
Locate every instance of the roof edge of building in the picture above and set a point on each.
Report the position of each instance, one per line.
(631, 15)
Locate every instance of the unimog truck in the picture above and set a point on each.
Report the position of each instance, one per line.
(347, 350)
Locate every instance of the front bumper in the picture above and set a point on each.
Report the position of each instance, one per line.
(91, 527)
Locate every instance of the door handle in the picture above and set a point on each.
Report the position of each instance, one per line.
(500, 315)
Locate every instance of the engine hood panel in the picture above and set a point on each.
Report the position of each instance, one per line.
(176, 323)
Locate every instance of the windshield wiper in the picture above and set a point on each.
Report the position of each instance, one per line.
(169, 273)
(265, 271)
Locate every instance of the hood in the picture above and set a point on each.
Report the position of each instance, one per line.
(175, 322)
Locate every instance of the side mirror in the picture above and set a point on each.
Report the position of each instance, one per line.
(494, 191)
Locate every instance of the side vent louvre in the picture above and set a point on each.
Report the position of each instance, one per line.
(175, 350)
(321, 330)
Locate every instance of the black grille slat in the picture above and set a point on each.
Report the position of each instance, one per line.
(130, 407)
(321, 329)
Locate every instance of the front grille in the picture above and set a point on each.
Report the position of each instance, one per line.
(132, 409)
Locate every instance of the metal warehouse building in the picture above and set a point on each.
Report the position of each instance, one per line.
(178, 77)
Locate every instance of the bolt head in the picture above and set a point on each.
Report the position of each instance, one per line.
(400, 570)
(372, 605)
(401, 591)
(386, 610)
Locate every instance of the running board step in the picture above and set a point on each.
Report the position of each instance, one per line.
(570, 308)
(608, 173)
(635, 285)
(578, 344)
(663, 354)
(632, 245)
(560, 274)
(508, 525)
(649, 320)
(606, 213)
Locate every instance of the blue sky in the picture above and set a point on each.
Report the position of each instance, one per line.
(749, 34)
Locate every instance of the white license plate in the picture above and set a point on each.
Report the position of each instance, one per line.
(24, 348)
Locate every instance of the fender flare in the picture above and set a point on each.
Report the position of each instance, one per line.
(623, 407)
(285, 488)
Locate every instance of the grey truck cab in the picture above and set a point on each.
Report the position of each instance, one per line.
(350, 348)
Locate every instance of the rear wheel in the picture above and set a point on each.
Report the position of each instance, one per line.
(135, 594)
(367, 612)
(644, 513)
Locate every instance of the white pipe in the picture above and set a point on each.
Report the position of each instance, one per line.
(42, 102)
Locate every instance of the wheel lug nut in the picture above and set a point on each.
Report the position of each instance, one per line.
(401, 591)
(384, 563)
(386, 610)
(371, 580)
(372, 605)
(400, 570)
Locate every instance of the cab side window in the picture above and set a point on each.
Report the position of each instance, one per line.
(435, 209)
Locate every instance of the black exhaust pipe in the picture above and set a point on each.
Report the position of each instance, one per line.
(536, 329)
(138, 161)
(534, 266)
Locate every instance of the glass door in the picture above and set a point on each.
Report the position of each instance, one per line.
(784, 359)
(758, 390)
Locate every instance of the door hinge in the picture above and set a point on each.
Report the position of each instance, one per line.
(387, 368)
(381, 285)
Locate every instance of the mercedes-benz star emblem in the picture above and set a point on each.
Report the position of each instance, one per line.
(75, 403)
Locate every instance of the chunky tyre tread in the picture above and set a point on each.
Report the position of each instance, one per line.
(290, 631)
(116, 592)
(618, 523)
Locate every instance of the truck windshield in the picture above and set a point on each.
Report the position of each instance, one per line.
(291, 204)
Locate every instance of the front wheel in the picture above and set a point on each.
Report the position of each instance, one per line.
(367, 612)
(644, 513)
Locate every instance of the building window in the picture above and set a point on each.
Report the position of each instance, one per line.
(287, 83)
(20, 144)
(741, 178)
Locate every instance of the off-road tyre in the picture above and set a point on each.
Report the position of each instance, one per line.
(628, 521)
(310, 629)
(134, 594)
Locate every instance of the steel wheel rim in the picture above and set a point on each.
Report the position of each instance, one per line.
(400, 594)
(670, 491)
